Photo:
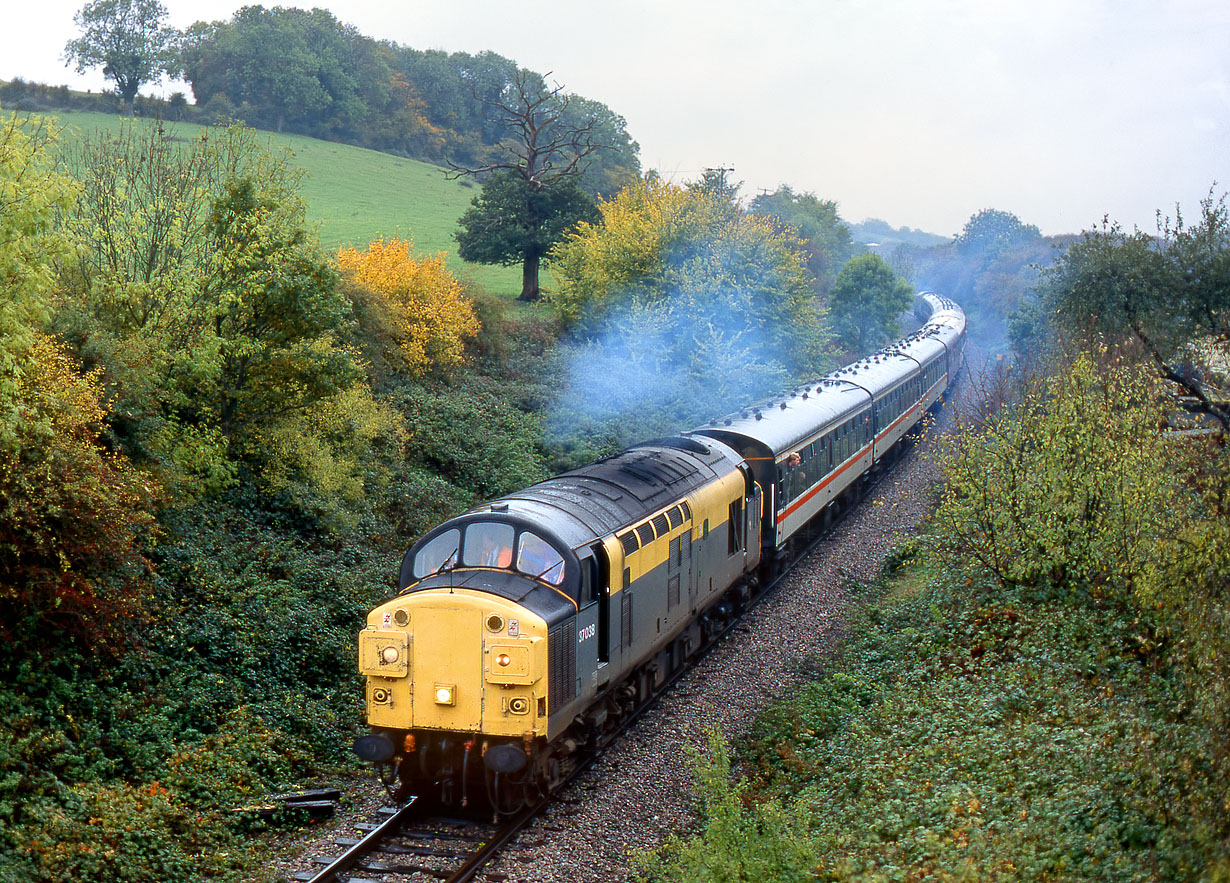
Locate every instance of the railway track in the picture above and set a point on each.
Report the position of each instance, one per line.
(411, 845)
(414, 846)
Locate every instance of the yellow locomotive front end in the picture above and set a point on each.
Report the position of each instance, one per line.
(456, 684)
(458, 661)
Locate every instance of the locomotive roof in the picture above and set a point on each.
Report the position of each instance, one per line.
(607, 495)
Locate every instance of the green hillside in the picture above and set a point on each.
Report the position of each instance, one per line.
(355, 195)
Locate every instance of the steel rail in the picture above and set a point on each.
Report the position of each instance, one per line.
(365, 846)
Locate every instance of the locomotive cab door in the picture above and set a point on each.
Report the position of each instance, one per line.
(601, 572)
(593, 611)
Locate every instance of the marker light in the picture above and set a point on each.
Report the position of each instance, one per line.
(444, 695)
(503, 659)
(389, 655)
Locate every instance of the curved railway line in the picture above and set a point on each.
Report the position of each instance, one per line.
(411, 844)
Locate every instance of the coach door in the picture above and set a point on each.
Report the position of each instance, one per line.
(755, 509)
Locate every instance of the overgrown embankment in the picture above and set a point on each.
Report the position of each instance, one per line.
(1033, 691)
(968, 733)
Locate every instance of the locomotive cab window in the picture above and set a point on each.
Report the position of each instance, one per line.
(437, 554)
(488, 544)
(536, 557)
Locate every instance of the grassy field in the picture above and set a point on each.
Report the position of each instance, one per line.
(355, 195)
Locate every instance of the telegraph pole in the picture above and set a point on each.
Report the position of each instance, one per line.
(720, 171)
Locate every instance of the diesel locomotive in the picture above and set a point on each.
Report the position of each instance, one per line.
(526, 629)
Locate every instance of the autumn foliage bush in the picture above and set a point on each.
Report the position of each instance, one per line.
(1064, 487)
(426, 311)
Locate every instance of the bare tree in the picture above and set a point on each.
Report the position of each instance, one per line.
(541, 155)
(541, 146)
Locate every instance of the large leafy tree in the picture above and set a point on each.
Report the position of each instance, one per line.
(992, 230)
(1065, 487)
(535, 194)
(288, 68)
(219, 326)
(697, 252)
(513, 222)
(867, 299)
(682, 305)
(828, 240)
(1167, 295)
(275, 311)
(128, 39)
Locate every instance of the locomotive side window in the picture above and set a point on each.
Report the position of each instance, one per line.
(537, 557)
(488, 544)
(437, 554)
(589, 582)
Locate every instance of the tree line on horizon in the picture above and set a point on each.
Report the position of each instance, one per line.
(303, 71)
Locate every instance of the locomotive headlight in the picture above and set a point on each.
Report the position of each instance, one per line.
(444, 695)
(503, 659)
(390, 655)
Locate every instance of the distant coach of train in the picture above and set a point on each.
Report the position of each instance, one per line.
(527, 628)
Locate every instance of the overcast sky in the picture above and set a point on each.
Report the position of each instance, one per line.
(919, 112)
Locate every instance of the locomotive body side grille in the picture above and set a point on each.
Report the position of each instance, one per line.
(562, 665)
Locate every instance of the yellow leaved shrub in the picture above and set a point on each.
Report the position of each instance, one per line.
(428, 312)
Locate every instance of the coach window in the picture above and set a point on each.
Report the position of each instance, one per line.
(488, 544)
(538, 558)
(437, 554)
